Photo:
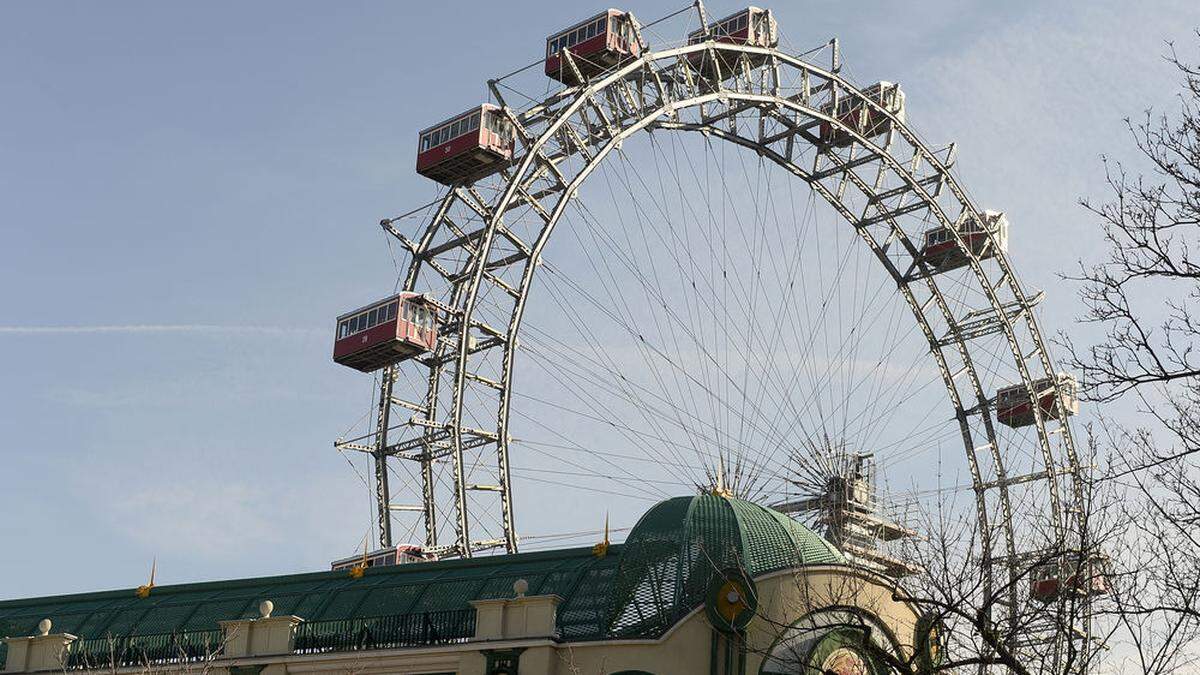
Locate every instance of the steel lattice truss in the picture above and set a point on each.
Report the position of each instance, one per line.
(479, 252)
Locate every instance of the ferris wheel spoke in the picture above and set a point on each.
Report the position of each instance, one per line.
(630, 398)
(655, 435)
(635, 396)
(606, 365)
(660, 172)
(708, 356)
(646, 283)
(696, 315)
(611, 366)
(622, 473)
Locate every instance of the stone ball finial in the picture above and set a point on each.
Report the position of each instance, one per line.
(265, 608)
(520, 587)
(44, 626)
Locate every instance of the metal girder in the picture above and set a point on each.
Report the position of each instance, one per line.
(430, 447)
(982, 322)
(452, 244)
(382, 492)
(665, 85)
(885, 216)
(847, 166)
(1016, 480)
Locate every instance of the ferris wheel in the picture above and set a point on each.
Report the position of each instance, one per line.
(773, 265)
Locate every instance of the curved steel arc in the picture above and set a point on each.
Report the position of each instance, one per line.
(931, 338)
(553, 118)
(832, 199)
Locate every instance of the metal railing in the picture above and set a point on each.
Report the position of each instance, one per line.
(385, 632)
(144, 650)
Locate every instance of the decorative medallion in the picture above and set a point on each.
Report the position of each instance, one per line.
(732, 601)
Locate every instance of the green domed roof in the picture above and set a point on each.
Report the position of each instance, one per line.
(678, 547)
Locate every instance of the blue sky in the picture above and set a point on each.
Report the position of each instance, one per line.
(205, 180)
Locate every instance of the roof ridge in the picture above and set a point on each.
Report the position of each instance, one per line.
(407, 568)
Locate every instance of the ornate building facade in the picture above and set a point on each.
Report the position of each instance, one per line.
(704, 585)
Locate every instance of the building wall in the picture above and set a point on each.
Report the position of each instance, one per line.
(783, 598)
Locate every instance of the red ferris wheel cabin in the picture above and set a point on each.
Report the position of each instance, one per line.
(385, 332)
(601, 42)
(862, 118)
(942, 252)
(752, 26)
(1084, 576)
(385, 557)
(466, 147)
(1013, 407)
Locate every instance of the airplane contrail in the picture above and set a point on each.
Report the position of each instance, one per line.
(153, 328)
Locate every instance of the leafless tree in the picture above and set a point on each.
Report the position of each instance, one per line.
(1000, 617)
(1143, 298)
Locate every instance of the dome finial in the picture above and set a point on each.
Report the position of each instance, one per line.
(719, 489)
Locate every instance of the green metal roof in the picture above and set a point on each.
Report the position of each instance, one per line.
(575, 574)
(640, 588)
(677, 549)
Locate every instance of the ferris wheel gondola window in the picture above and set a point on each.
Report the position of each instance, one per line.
(596, 45)
(853, 112)
(734, 30)
(912, 177)
(386, 332)
(458, 151)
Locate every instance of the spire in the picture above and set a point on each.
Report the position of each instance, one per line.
(600, 550)
(719, 488)
(144, 590)
(359, 569)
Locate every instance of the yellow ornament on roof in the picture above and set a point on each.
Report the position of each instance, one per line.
(143, 591)
(600, 550)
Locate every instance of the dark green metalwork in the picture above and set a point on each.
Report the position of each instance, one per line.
(580, 578)
(714, 645)
(851, 639)
(639, 589)
(385, 632)
(726, 616)
(144, 650)
(678, 548)
(929, 640)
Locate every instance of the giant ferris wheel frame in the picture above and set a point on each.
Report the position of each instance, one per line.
(482, 270)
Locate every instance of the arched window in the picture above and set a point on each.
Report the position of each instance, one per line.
(831, 641)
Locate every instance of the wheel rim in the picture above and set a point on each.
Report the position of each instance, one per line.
(470, 253)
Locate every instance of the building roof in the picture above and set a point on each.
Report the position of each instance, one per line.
(677, 546)
(575, 574)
